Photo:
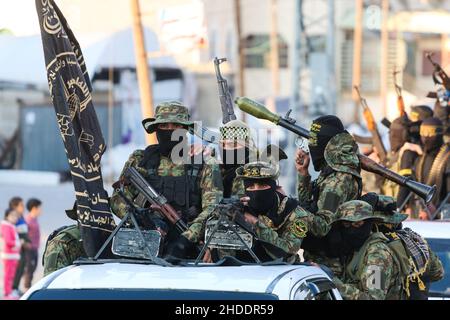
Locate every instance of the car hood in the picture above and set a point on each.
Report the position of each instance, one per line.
(131, 276)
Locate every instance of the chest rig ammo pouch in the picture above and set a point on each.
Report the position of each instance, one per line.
(183, 192)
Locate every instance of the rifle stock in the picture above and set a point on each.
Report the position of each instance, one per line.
(260, 111)
(398, 90)
(372, 126)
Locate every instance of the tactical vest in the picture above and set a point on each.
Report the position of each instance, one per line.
(354, 269)
(318, 245)
(413, 285)
(182, 192)
(413, 288)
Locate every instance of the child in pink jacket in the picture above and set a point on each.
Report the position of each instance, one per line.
(11, 250)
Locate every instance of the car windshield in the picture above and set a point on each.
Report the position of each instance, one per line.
(442, 249)
(145, 294)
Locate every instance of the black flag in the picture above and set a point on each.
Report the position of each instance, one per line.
(70, 90)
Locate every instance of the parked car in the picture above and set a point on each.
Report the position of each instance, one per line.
(437, 235)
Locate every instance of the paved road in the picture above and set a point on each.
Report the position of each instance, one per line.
(55, 200)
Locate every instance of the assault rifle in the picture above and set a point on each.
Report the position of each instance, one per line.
(226, 102)
(372, 126)
(260, 111)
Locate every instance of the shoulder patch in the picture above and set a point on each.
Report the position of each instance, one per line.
(299, 228)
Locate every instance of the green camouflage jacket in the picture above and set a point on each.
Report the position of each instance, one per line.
(63, 249)
(341, 155)
(372, 273)
(209, 182)
(289, 234)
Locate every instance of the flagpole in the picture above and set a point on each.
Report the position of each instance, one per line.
(142, 67)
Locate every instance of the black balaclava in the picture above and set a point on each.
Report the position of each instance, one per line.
(322, 130)
(354, 238)
(398, 133)
(417, 115)
(431, 143)
(233, 158)
(165, 141)
(262, 201)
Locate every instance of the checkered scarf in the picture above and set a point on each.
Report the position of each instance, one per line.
(416, 247)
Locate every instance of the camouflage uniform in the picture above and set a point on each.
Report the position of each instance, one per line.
(287, 234)
(341, 177)
(418, 264)
(208, 183)
(370, 273)
(239, 132)
(63, 249)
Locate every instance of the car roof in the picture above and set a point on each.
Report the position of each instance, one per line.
(249, 278)
(429, 229)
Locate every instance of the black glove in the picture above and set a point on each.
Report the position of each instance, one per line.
(181, 248)
(371, 198)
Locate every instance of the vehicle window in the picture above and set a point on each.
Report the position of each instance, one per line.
(139, 294)
(442, 249)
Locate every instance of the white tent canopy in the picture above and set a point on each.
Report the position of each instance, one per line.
(22, 58)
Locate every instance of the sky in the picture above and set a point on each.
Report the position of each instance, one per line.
(19, 16)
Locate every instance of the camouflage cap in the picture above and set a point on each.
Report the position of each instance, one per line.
(168, 112)
(355, 210)
(391, 218)
(258, 170)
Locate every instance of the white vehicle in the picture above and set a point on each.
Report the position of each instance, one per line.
(437, 235)
(144, 281)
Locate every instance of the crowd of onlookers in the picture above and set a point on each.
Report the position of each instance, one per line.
(21, 237)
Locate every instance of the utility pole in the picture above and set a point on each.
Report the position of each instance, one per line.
(357, 52)
(331, 49)
(142, 67)
(384, 55)
(237, 14)
(274, 54)
(296, 99)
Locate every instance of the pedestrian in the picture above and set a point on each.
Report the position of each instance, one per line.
(10, 253)
(31, 253)
(16, 203)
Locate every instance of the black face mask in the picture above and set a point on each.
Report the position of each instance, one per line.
(354, 238)
(398, 134)
(233, 158)
(262, 201)
(322, 130)
(165, 141)
(432, 143)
